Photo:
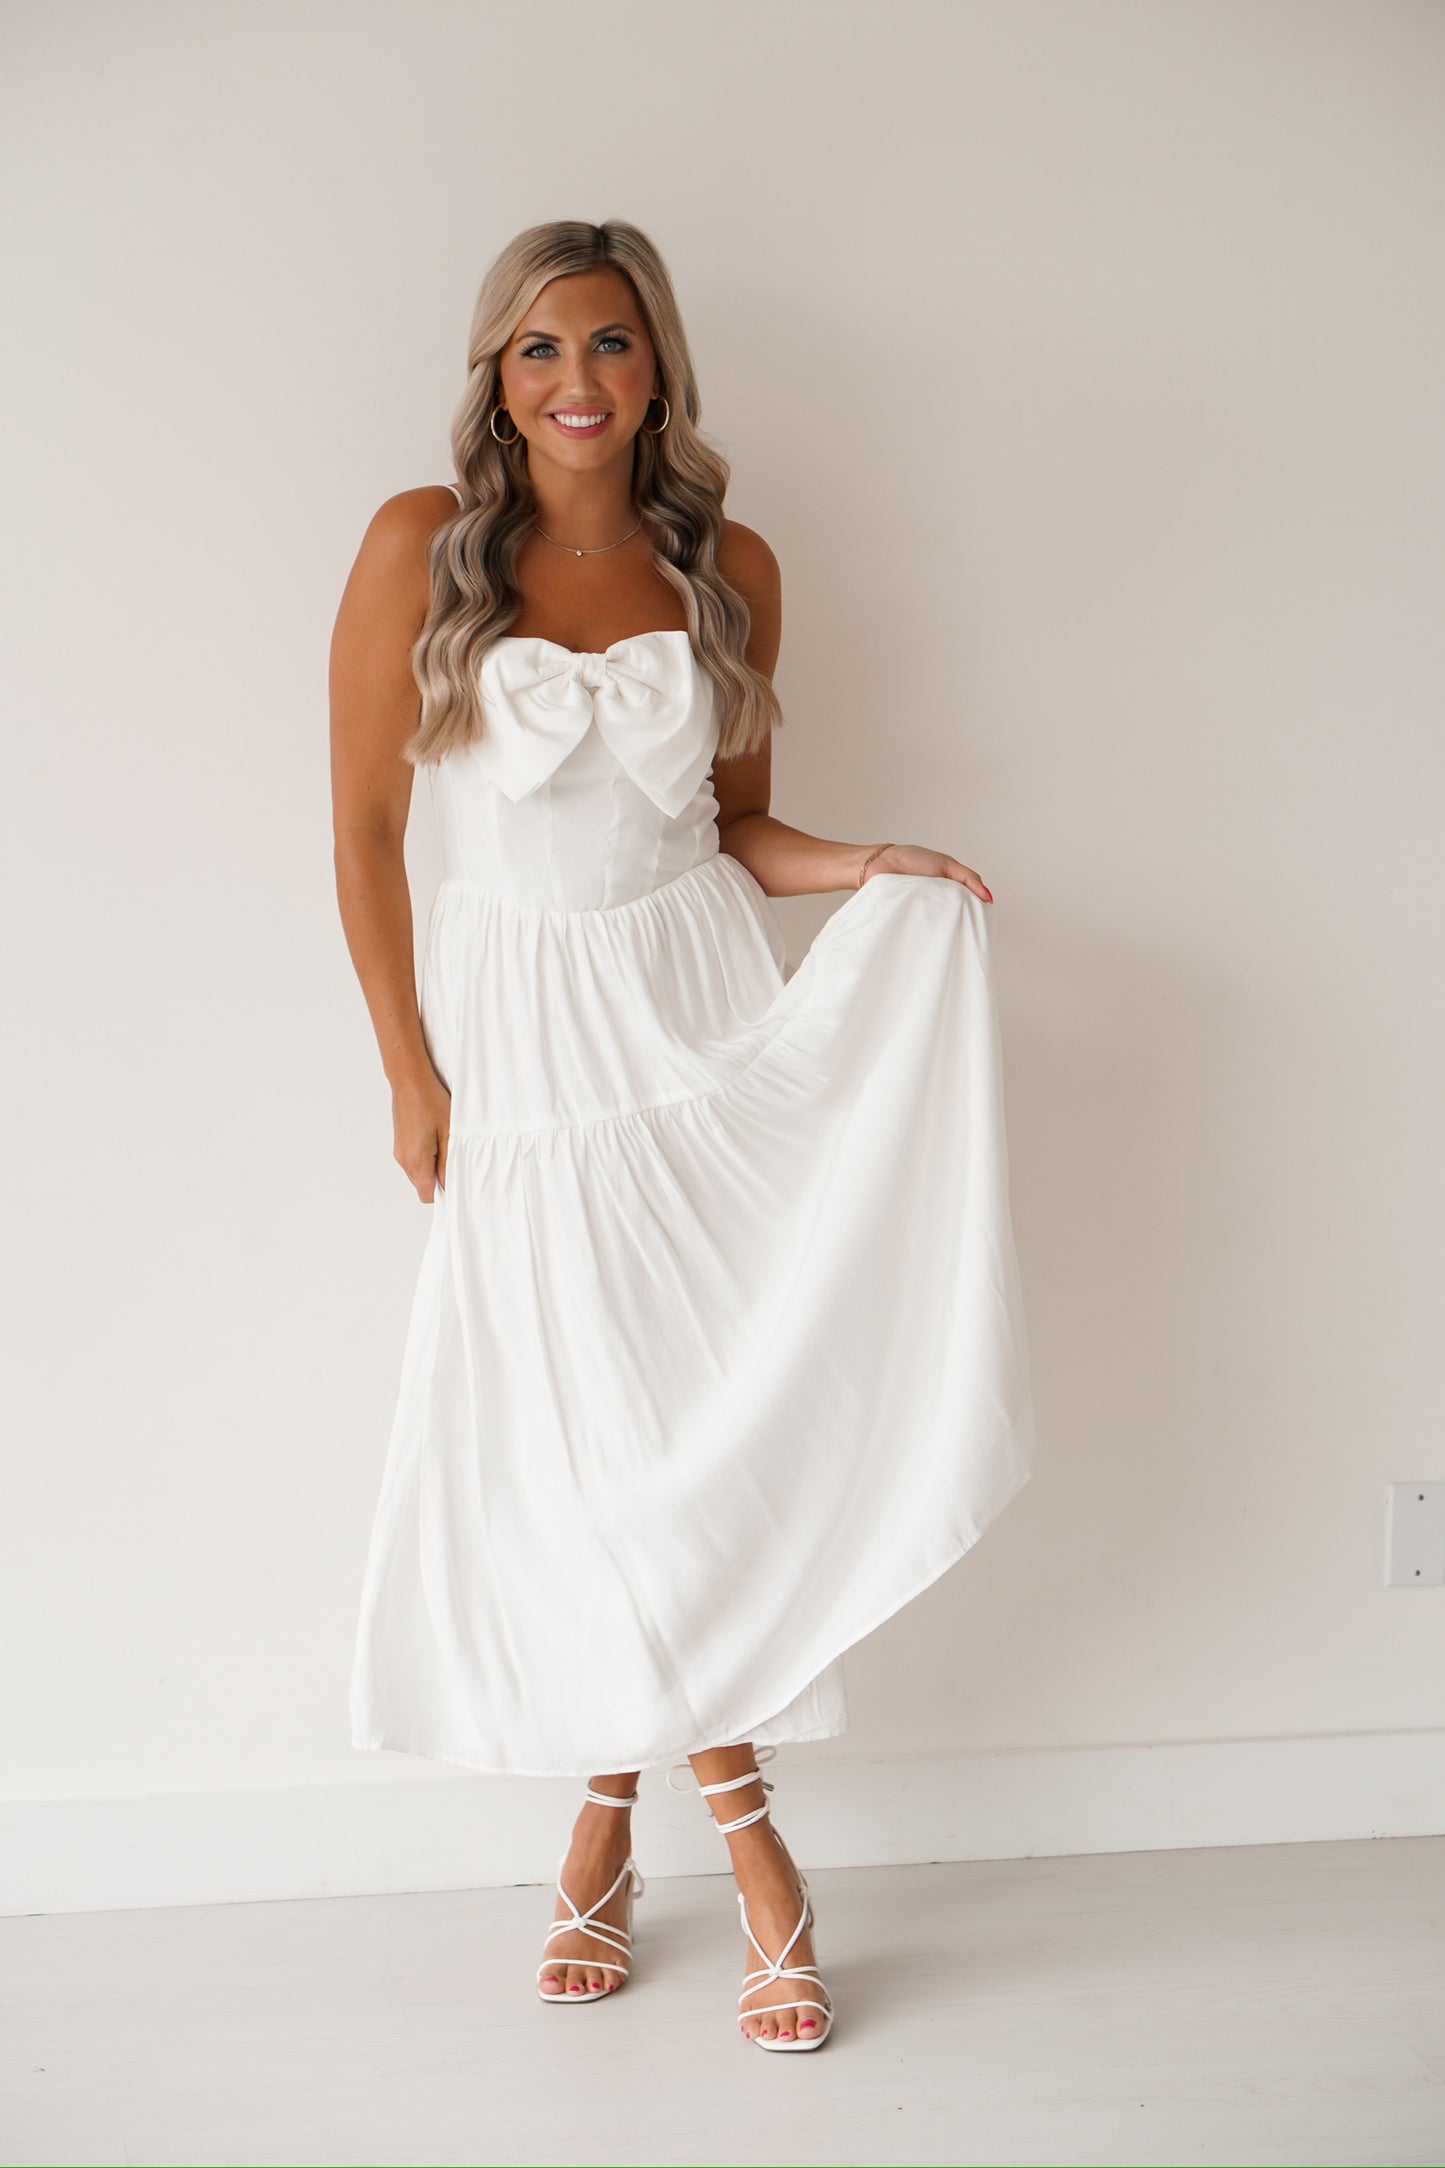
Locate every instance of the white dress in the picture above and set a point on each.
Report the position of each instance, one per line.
(717, 1353)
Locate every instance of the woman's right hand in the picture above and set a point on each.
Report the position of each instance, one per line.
(421, 1120)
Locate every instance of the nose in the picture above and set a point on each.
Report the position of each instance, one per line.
(579, 376)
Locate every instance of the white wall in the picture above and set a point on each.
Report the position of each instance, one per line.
(1081, 362)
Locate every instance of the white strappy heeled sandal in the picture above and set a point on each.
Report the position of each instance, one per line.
(616, 1938)
(772, 1968)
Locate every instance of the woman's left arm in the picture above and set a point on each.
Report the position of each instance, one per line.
(786, 861)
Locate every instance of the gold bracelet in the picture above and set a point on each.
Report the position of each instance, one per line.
(862, 870)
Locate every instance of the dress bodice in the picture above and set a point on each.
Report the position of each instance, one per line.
(592, 783)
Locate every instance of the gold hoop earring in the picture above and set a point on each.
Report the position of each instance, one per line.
(516, 432)
(667, 417)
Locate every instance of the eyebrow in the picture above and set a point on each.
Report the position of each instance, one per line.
(535, 334)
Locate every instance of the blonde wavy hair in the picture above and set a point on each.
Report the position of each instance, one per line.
(679, 482)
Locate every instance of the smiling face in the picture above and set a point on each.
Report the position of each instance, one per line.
(579, 372)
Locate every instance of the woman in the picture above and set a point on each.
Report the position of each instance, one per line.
(717, 1355)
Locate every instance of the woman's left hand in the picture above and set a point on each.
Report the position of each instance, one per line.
(917, 858)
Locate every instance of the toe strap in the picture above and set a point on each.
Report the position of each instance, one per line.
(808, 1974)
(554, 1965)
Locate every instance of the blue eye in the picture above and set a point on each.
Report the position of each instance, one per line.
(545, 346)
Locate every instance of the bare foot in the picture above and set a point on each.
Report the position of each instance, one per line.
(764, 1871)
(788, 2011)
(581, 1962)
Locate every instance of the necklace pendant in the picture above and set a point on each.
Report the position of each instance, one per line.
(581, 553)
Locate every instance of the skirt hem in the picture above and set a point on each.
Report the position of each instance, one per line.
(384, 1740)
(393, 1745)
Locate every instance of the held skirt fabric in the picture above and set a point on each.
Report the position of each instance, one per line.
(717, 1353)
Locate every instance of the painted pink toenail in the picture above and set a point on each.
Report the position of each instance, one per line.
(807, 2024)
(574, 1990)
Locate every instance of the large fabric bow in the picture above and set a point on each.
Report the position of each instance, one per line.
(651, 702)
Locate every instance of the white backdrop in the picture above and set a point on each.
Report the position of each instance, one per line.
(1081, 362)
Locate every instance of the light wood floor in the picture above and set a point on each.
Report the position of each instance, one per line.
(1279, 2004)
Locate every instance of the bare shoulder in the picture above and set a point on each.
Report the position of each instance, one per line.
(747, 563)
(391, 568)
(412, 516)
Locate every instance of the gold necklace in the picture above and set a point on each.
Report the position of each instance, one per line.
(599, 551)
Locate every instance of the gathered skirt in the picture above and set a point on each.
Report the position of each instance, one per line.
(717, 1354)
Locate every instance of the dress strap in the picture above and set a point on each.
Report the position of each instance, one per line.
(454, 490)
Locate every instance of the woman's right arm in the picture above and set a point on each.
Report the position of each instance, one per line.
(374, 709)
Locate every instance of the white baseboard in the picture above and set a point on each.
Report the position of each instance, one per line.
(428, 1831)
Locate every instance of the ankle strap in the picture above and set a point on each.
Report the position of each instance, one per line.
(732, 1784)
(725, 1829)
(610, 1799)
